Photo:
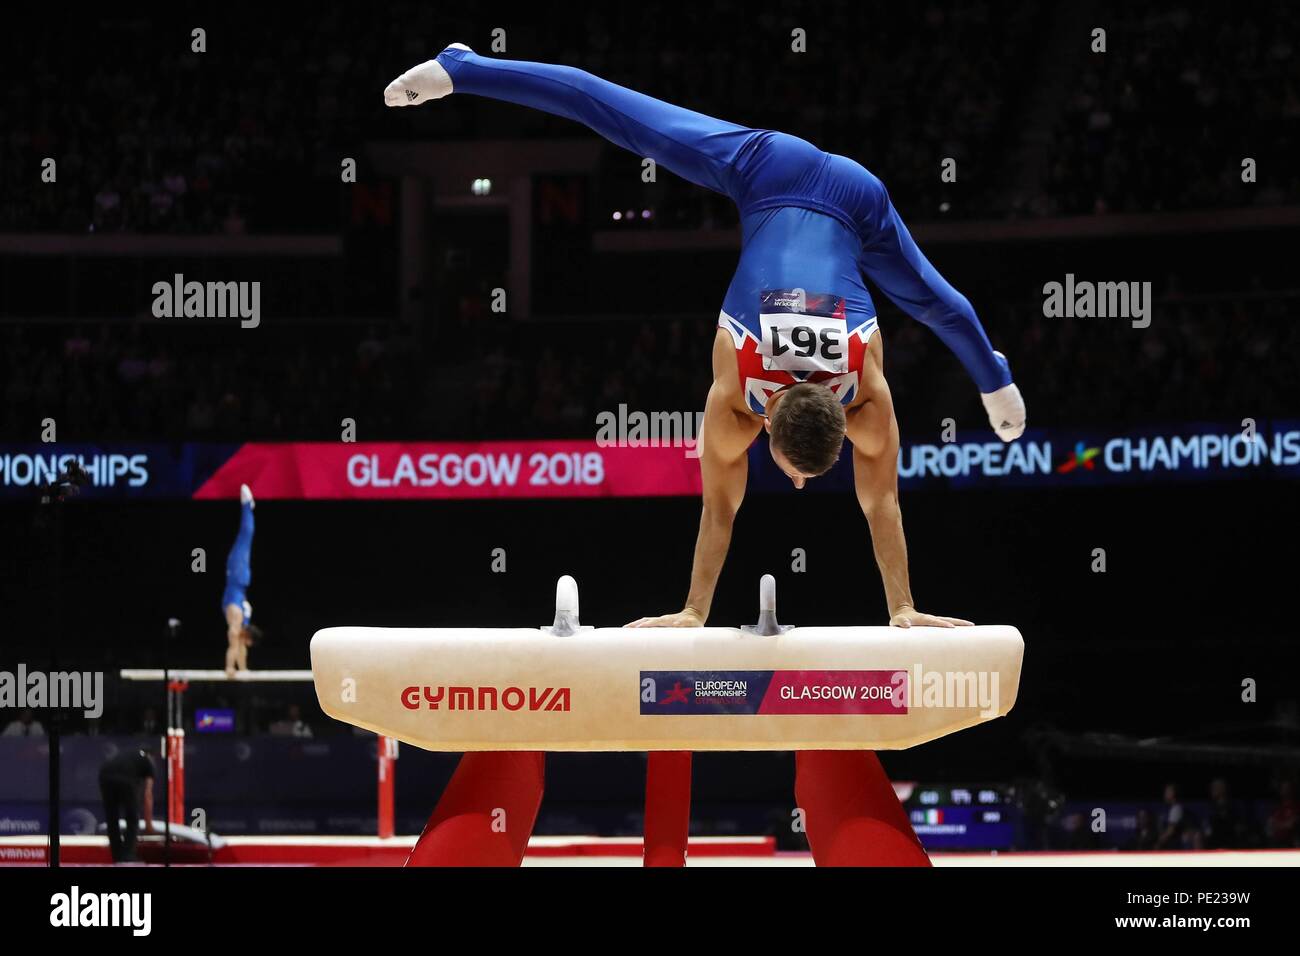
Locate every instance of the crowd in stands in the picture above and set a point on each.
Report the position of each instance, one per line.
(1163, 120)
(1223, 822)
(1202, 359)
(247, 136)
(1218, 819)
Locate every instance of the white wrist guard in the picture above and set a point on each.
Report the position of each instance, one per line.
(1006, 410)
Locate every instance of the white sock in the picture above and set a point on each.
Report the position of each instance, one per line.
(428, 81)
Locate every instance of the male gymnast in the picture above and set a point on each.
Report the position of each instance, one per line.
(798, 352)
(798, 348)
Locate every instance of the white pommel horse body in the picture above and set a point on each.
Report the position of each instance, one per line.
(575, 688)
(505, 696)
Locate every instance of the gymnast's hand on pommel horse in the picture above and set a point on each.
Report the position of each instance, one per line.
(798, 352)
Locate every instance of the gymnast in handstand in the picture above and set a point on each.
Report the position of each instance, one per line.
(241, 633)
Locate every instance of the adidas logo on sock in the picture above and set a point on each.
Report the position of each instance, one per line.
(411, 94)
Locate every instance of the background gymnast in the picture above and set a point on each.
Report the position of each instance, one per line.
(798, 348)
(241, 634)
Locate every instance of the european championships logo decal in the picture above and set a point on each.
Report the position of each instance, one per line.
(682, 693)
(1082, 458)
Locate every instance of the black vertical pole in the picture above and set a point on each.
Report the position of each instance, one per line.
(166, 759)
(52, 732)
(170, 705)
(52, 497)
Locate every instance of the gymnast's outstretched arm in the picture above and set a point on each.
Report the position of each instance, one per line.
(892, 260)
(873, 430)
(724, 470)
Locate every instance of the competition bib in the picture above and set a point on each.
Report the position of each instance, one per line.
(803, 331)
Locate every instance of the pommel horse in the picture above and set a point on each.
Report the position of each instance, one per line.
(505, 696)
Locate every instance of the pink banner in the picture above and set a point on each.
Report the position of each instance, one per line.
(836, 692)
(505, 469)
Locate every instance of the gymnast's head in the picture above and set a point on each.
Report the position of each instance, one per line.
(806, 425)
(252, 634)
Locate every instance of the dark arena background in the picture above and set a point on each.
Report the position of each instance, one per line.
(445, 306)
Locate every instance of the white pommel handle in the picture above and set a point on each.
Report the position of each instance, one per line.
(767, 625)
(566, 607)
(566, 595)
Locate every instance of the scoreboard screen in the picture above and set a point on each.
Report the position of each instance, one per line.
(963, 818)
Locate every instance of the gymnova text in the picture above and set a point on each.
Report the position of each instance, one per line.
(637, 429)
(38, 690)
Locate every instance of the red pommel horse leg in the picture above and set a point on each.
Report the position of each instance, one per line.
(667, 807)
(487, 812)
(489, 808)
(851, 813)
(850, 810)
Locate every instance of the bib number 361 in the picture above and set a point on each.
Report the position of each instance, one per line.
(796, 341)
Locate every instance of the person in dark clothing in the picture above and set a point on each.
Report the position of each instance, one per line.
(1229, 826)
(1178, 823)
(1145, 833)
(126, 784)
